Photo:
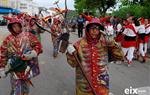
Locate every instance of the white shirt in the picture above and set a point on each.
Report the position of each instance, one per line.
(147, 30)
(130, 32)
(119, 27)
(109, 29)
(141, 29)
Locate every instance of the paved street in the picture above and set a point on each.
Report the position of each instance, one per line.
(58, 78)
(3, 33)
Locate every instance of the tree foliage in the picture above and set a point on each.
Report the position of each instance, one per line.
(92, 5)
(138, 8)
(80, 5)
(131, 2)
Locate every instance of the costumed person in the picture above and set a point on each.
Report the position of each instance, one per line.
(109, 29)
(147, 36)
(18, 56)
(92, 52)
(129, 42)
(56, 33)
(119, 30)
(34, 29)
(141, 39)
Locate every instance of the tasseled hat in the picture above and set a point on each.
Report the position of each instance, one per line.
(12, 21)
(94, 21)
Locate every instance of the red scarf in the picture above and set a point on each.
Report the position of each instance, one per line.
(91, 40)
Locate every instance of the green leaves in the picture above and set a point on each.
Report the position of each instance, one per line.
(137, 8)
(94, 5)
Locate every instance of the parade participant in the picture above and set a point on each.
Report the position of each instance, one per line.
(119, 26)
(57, 31)
(141, 39)
(129, 42)
(109, 29)
(119, 30)
(18, 56)
(80, 21)
(92, 52)
(147, 35)
(34, 29)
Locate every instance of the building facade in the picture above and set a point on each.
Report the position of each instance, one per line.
(27, 6)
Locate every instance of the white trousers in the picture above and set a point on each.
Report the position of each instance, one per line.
(129, 53)
(145, 46)
(142, 49)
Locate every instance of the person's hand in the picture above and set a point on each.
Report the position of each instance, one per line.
(71, 49)
(2, 73)
(30, 54)
(58, 34)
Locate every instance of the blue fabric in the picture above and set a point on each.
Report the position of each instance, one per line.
(9, 10)
(80, 20)
(15, 11)
(5, 10)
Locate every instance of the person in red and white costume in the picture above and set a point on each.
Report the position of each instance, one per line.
(119, 30)
(109, 29)
(119, 27)
(141, 39)
(129, 42)
(19, 54)
(147, 34)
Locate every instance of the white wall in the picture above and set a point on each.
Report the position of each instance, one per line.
(5, 3)
(27, 6)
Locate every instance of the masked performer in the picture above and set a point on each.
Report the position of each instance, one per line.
(92, 52)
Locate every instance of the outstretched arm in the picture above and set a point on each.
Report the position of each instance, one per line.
(114, 51)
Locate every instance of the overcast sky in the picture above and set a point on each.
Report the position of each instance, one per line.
(49, 3)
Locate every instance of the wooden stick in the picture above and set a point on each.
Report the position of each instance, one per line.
(84, 73)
